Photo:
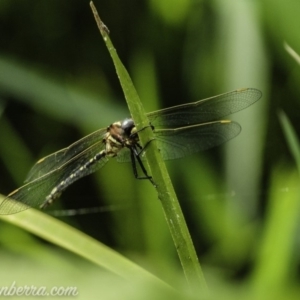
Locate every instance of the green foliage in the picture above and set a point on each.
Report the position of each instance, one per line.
(57, 84)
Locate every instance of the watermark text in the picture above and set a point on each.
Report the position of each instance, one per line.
(32, 290)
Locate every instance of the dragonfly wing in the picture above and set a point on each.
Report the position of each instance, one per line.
(179, 142)
(34, 193)
(205, 110)
(59, 158)
(124, 155)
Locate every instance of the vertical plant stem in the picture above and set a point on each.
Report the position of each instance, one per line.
(164, 187)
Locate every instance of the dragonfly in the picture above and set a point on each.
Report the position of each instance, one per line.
(179, 131)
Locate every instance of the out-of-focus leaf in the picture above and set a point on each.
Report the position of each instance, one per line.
(291, 137)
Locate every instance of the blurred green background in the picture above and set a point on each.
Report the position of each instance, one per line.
(58, 83)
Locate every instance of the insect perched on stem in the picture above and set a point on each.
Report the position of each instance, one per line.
(179, 131)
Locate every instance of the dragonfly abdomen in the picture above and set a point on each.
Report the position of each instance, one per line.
(114, 142)
(77, 174)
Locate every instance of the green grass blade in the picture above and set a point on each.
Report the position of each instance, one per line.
(165, 190)
(291, 137)
(81, 244)
(277, 253)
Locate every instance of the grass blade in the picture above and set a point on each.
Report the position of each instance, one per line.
(81, 244)
(165, 190)
(291, 137)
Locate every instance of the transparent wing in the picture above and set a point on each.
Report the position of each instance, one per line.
(180, 142)
(205, 110)
(124, 156)
(59, 158)
(34, 193)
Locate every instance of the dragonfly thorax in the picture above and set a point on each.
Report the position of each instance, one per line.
(119, 135)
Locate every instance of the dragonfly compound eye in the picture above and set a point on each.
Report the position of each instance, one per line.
(127, 125)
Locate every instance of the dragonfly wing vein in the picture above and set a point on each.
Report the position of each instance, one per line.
(59, 158)
(205, 110)
(34, 193)
(180, 142)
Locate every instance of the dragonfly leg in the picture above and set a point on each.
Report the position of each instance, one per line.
(142, 149)
(150, 125)
(134, 135)
(134, 154)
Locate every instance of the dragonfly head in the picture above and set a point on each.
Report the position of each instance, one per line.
(128, 127)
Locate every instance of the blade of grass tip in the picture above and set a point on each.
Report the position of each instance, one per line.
(291, 137)
(166, 193)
